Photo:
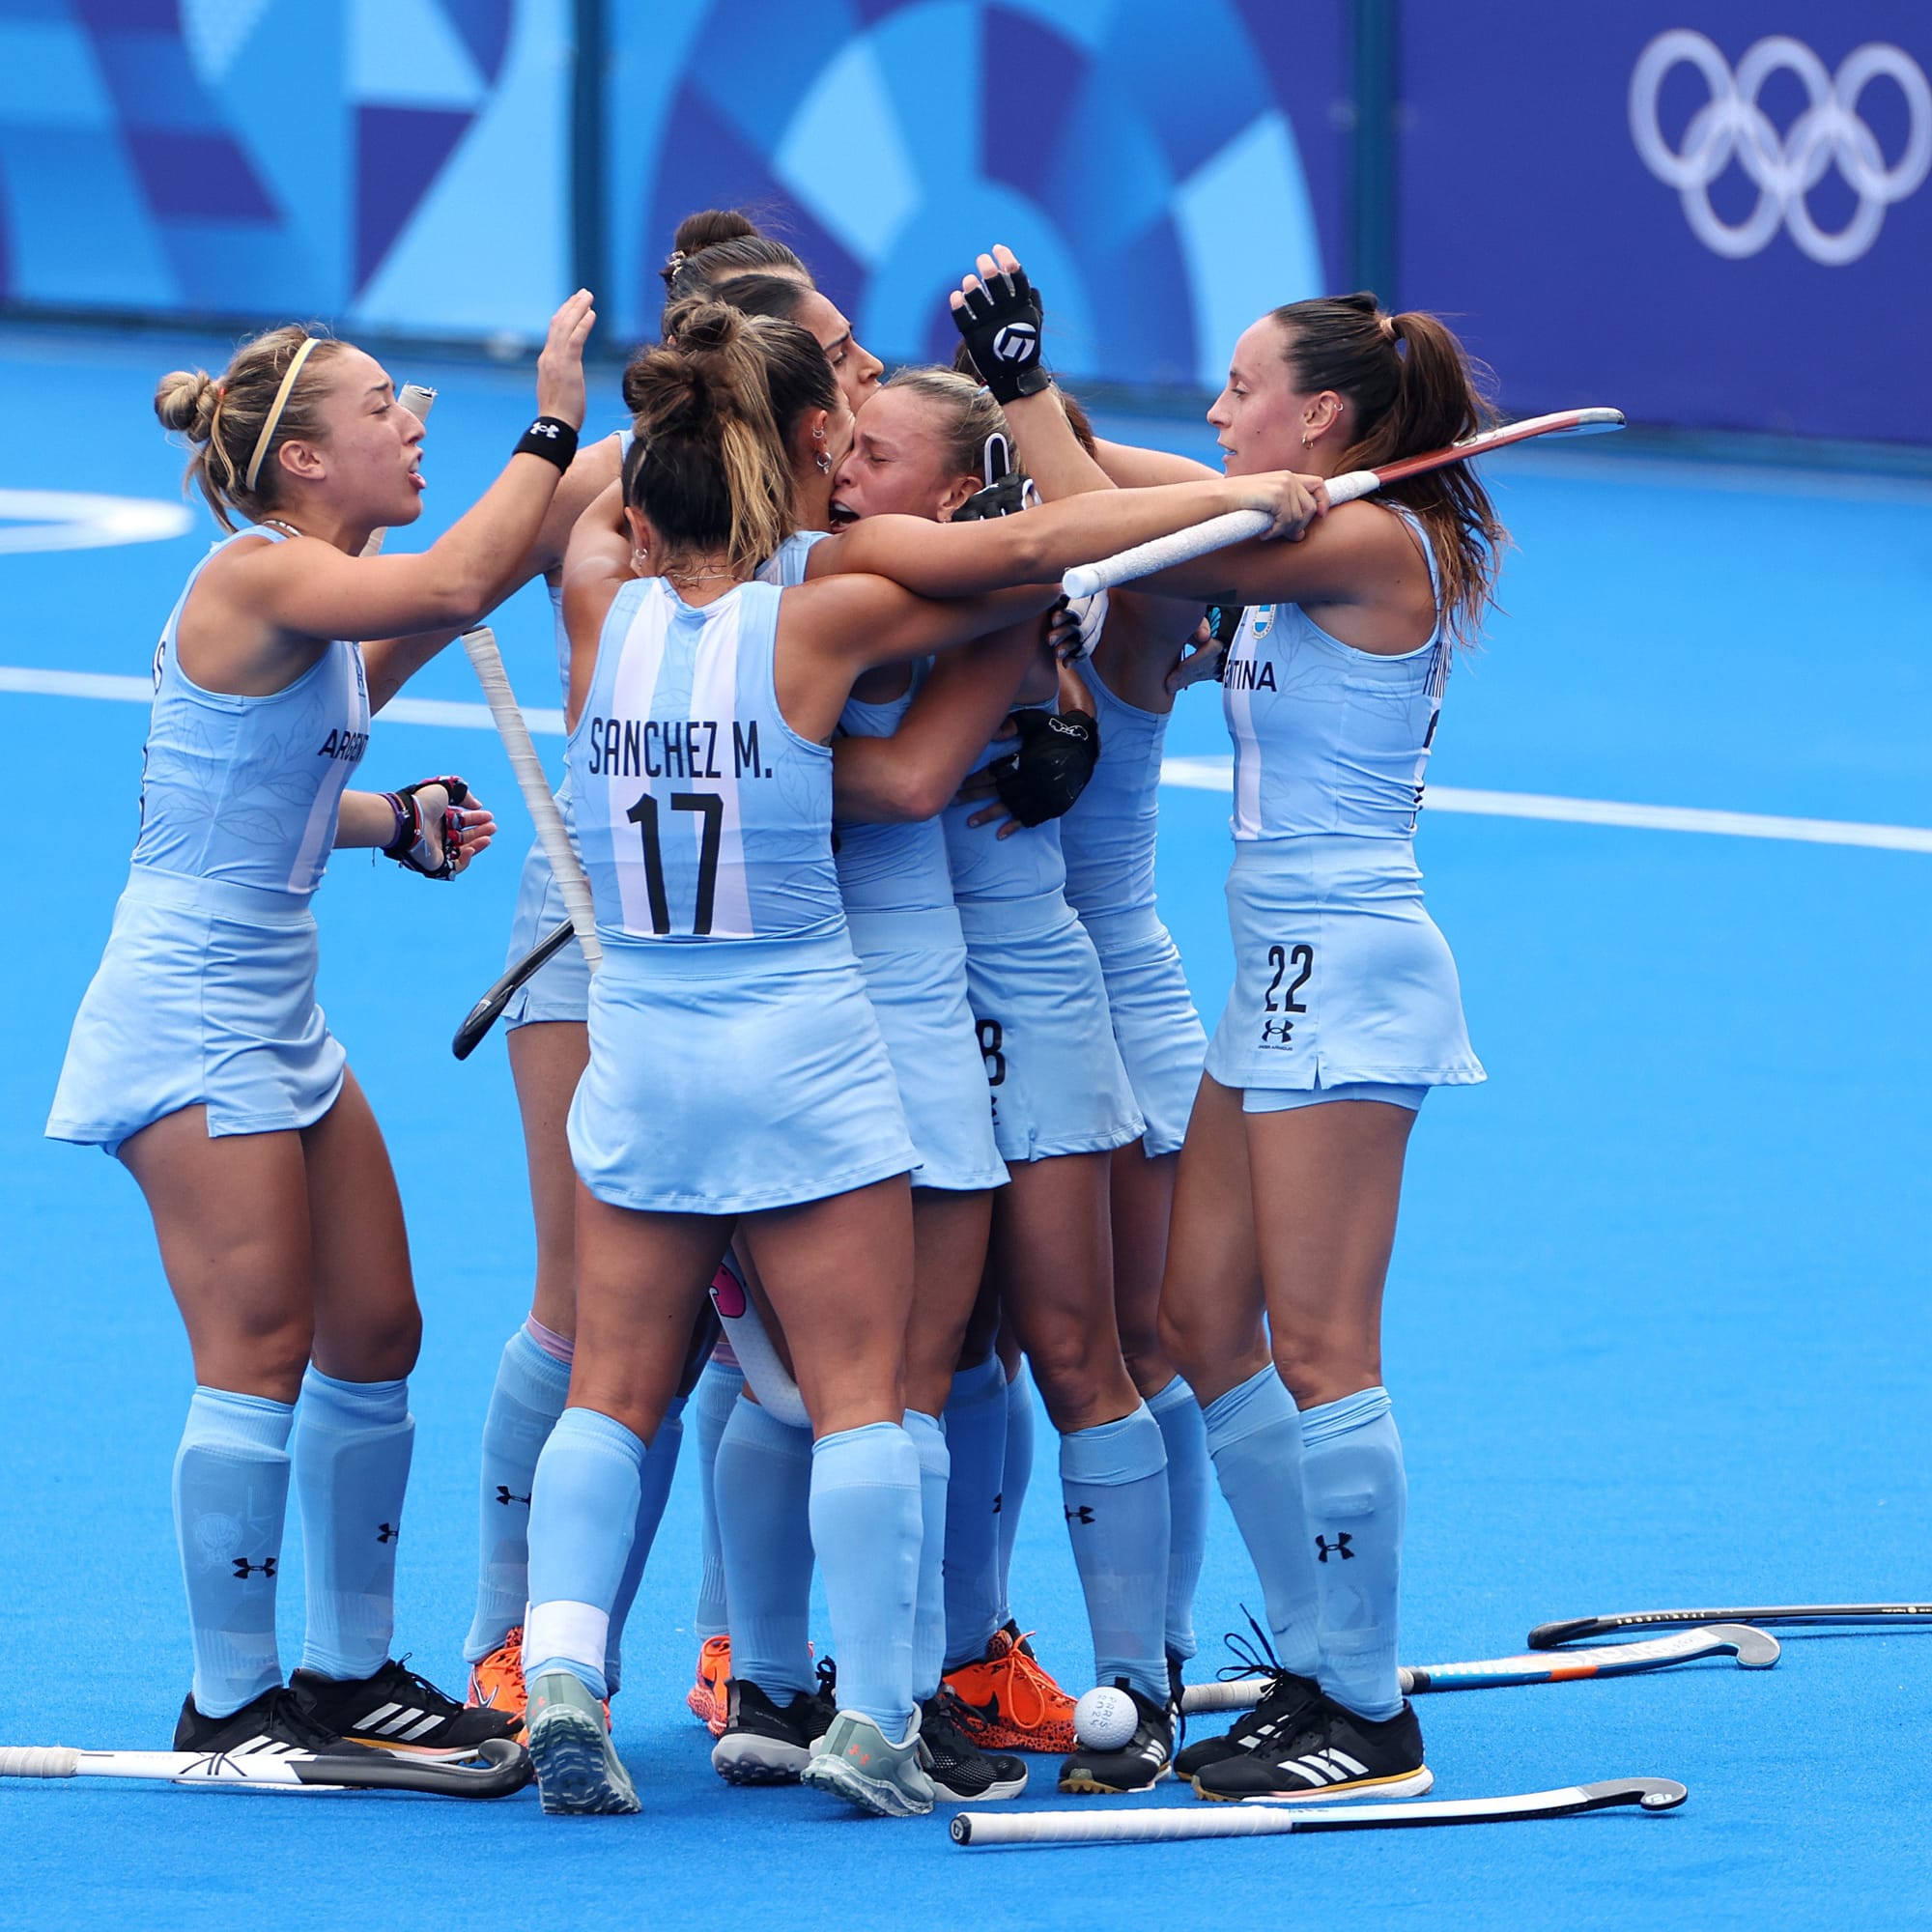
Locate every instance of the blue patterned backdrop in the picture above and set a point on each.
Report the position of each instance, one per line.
(395, 162)
(1564, 180)
(1166, 172)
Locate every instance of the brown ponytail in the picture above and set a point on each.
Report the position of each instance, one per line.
(222, 419)
(708, 465)
(1414, 390)
(720, 246)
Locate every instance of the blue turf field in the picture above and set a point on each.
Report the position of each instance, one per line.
(1657, 1328)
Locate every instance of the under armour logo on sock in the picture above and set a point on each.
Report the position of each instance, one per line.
(387, 1533)
(1339, 1548)
(504, 1496)
(998, 1500)
(1081, 1515)
(244, 1569)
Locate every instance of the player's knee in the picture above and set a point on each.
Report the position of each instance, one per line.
(1179, 1334)
(1321, 1368)
(1073, 1370)
(1149, 1362)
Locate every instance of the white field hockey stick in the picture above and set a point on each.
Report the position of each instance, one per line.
(419, 401)
(1752, 1649)
(1259, 1818)
(506, 1769)
(770, 1379)
(487, 661)
(1239, 525)
(1877, 1616)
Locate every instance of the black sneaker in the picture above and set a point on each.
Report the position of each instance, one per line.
(961, 1773)
(1138, 1765)
(397, 1711)
(276, 1721)
(1287, 1706)
(764, 1743)
(1335, 1755)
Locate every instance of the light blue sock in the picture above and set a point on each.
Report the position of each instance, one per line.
(532, 1385)
(231, 1492)
(975, 1445)
(1016, 1474)
(654, 1492)
(1114, 1479)
(1254, 1435)
(764, 1528)
(1184, 1436)
(1357, 1495)
(929, 1626)
(712, 1404)
(583, 1514)
(352, 1456)
(866, 1528)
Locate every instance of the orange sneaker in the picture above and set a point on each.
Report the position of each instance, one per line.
(709, 1697)
(496, 1681)
(1008, 1701)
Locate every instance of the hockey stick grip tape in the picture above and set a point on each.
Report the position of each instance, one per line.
(1182, 547)
(39, 1761)
(487, 661)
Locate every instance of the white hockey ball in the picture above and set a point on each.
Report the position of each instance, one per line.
(1105, 1719)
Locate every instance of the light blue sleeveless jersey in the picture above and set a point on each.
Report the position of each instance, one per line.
(700, 814)
(881, 868)
(245, 790)
(987, 868)
(740, 1067)
(204, 995)
(1341, 979)
(1329, 739)
(1107, 839)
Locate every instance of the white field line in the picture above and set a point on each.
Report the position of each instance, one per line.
(1192, 774)
(1217, 775)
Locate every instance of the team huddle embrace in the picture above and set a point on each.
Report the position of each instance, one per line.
(869, 1109)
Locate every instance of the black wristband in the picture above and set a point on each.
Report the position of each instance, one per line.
(549, 437)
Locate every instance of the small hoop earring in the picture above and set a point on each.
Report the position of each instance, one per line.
(1307, 441)
(640, 562)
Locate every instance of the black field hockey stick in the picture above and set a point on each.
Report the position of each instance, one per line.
(505, 1769)
(487, 1011)
(1874, 1616)
(1752, 1649)
(1259, 1818)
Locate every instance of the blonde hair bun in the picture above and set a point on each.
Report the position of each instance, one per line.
(184, 400)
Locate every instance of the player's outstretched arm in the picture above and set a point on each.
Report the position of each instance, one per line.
(307, 588)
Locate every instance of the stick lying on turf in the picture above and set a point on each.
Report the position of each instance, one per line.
(1754, 1650)
(1256, 1819)
(1547, 1637)
(506, 1769)
(1239, 525)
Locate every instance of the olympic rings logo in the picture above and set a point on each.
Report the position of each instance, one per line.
(1783, 167)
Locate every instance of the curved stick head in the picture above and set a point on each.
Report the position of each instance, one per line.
(1596, 422)
(1756, 1649)
(1653, 1794)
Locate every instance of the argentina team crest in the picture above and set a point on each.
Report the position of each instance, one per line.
(1264, 621)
